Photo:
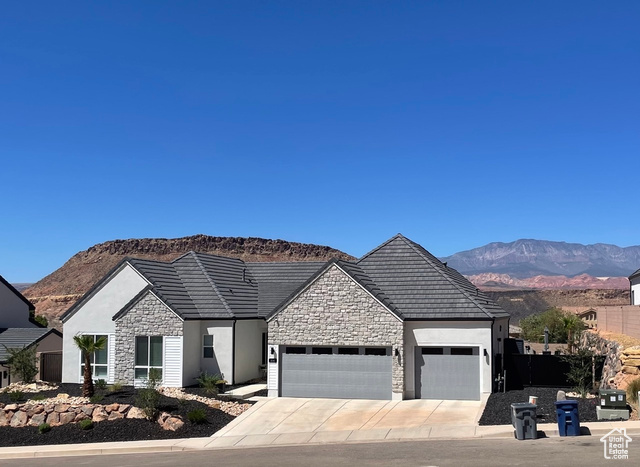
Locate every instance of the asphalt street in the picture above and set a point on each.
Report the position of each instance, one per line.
(571, 451)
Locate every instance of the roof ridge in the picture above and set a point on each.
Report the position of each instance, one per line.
(398, 235)
(212, 282)
(411, 244)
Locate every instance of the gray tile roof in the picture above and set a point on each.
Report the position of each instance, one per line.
(635, 274)
(422, 287)
(17, 338)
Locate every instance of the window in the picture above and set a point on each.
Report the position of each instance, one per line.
(322, 350)
(99, 366)
(148, 355)
(295, 350)
(207, 346)
(375, 351)
(432, 351)
(348, 351)
(461, 351)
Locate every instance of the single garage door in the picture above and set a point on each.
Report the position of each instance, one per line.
(340, 373)
(448, 373)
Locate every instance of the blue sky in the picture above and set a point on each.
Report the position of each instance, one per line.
(340, 123)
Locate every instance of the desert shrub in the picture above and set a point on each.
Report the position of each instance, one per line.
(197, 416)
(564, 327)
(16, 396)
(96, 398)
(101, 384)
(86, 424)
(23, 363)
(149, 398)
(632, 391)
(38, 397)
(115, 387)
(580, 373)
(210, 382)
(44, 428)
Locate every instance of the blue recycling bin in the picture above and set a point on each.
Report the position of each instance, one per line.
(568, 419)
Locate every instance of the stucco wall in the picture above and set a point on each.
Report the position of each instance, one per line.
(14, 313)
(635, 291)
(335, 310)
(148, 317)
(194, 362)
(95, 316)
(451, 333)
(248, 344)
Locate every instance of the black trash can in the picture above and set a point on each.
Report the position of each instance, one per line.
(523, 419)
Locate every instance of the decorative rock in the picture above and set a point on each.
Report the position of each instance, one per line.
(163, 417)
(53, 419)
(631, 370)
(172, 424)
(111, 407)
(38, 419)
(87, 410)
(635, 350)
(99, 414)
(631, 361)
(81, 416)
(12, 407)
(67, 417)
(61, 408)
(115, 415)
(19, 419)
(36, 409)
(123, 408)
(62, 396)
(135, 412)
(3, 420)
(561, 396)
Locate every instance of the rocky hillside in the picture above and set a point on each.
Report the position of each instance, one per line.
(493, 281)
(54, 294)
(522, 303)
(529, 258)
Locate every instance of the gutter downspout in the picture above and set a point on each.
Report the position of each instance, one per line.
(233, 352)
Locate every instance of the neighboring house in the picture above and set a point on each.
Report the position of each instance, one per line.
(589, 317)
(17, 330)
(634, 280)
(397, 323)
(198, 313)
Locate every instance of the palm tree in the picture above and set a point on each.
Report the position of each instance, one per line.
(572, 325)
(88, 346)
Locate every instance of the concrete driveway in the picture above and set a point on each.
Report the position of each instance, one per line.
(325, 420)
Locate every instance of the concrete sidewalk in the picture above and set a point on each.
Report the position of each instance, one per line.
(282, 421)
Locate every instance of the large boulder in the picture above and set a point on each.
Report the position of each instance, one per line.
(99, 415)
(135, 412)
(19, 419)
(172, 424)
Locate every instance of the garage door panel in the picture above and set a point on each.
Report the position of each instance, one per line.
(448, 376)
(336, 376)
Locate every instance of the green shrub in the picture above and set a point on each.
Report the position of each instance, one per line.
(44, 428)
(96, 398)
(580, 373)
(38, 397)
(197, 416)
(115, 387)
(16, 396)
(86, 424)
(632, 390)
(23, 363)
(101, 384)
(41, 320)
(210, 382)
(149, 397)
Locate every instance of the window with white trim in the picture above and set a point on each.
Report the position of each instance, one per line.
(207, 346)
(99, 359)
(148, 355)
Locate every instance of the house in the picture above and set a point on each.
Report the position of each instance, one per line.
(198, 313)
(397, 323)
(634, 280)
(589, 317)
(18, 330)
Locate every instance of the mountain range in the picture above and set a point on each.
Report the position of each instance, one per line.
(529, 258)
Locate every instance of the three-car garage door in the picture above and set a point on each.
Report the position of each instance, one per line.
(336, 372)
(448, 373)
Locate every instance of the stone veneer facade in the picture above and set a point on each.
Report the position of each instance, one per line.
(148, 317)
(335, 310)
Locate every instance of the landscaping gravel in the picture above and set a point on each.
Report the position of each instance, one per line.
(117, 430)
(498, 408)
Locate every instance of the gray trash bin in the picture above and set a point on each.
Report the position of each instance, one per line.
(523, 419)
